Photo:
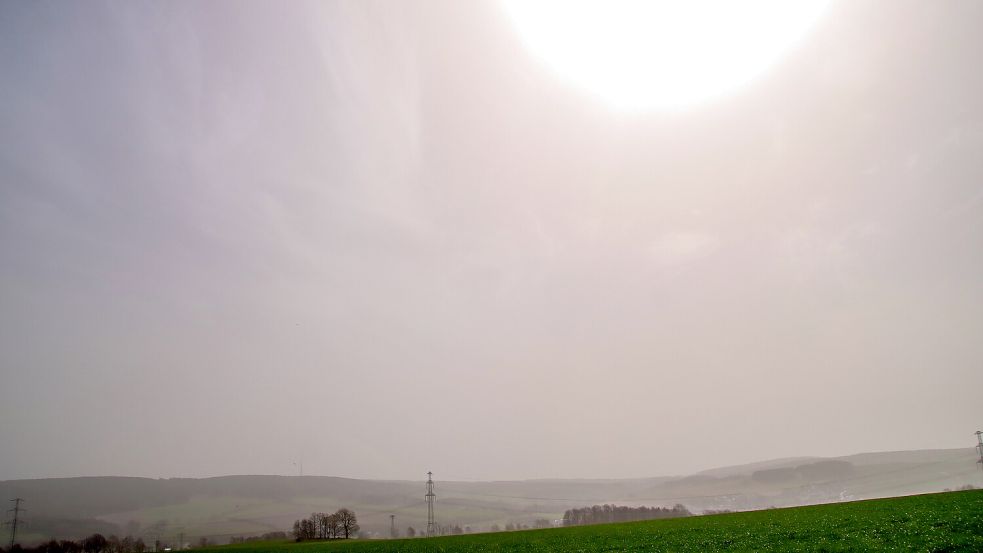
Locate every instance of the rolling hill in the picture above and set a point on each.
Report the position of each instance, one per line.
(245, 505)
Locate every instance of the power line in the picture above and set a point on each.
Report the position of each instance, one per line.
(431, 497)
(13, 523)
(390, 509)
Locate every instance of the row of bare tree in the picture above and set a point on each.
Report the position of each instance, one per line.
(321, 526)
(268, 536)
(601, 514)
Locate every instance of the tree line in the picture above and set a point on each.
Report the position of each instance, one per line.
(601, 514)
(96, 543)
(513, 526)
(269, 536)
(321, 526)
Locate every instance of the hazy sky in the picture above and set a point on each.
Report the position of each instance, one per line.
(383, 238)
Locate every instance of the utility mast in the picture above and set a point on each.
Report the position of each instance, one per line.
(979, 447)
(392, 526)
(13, 523)
(431, 525)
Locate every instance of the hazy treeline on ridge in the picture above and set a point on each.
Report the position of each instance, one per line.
(601, 514)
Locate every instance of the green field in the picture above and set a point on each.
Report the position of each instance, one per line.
(937, 522)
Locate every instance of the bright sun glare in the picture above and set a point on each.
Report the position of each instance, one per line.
(661, 54)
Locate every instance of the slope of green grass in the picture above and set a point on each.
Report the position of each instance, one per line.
(937, 522)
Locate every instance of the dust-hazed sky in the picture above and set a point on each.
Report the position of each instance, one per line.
(383, 238)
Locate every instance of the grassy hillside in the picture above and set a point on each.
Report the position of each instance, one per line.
(937, 522)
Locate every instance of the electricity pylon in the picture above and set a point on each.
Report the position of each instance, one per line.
(13, 523)
(431, 525)
(979, 446)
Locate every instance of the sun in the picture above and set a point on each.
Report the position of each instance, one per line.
(661, 54)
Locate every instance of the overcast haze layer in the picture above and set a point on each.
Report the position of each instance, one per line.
(382, 238)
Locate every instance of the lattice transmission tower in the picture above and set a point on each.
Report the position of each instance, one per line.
(979, 446)
(431, 497)
(15, 521)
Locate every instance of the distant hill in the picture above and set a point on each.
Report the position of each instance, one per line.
(244, 505)
(761, 465)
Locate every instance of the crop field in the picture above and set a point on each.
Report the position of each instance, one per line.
(937, 522)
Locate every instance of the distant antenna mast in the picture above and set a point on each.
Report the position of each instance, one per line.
(13, 523)
(392, 526)
(431, 525)
(979, 447)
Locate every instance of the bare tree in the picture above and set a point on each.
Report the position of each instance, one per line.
(332, 525)
(96, 543)
(348, 522)
(304, 529)
(318, 521)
